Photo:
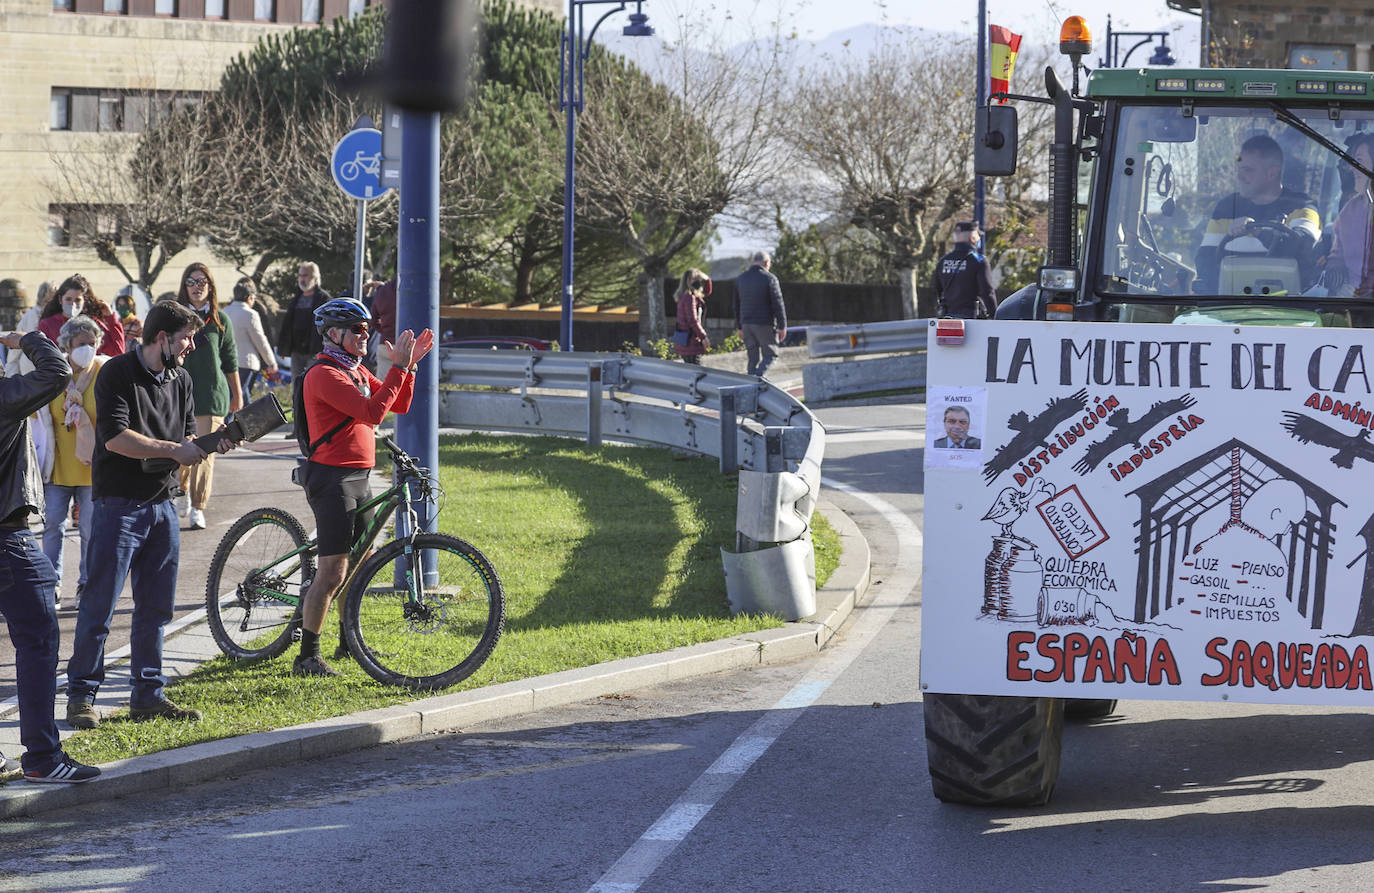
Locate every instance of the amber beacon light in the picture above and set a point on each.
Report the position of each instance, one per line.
(1074, 37)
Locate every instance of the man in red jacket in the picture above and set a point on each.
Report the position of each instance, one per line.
(344, 403)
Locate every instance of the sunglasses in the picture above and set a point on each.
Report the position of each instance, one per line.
(196, 282)
(359, 329)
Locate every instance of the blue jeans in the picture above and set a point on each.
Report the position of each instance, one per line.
(56, 500)
(26, 600)
(134, 539)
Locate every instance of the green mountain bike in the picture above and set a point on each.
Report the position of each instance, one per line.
(423, 611)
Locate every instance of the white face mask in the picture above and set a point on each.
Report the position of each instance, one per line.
(83, 355)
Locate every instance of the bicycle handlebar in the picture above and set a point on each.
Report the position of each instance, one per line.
(402, 459)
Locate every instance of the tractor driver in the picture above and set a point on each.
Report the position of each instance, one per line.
(1260, 198)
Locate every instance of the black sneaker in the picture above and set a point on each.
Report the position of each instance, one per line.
(163, 709)
(311, 666)
(341, 652)
(64, 771)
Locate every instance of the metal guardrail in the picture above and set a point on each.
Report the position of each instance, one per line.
(775, 443)
(897, 336)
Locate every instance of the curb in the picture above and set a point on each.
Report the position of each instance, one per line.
(329, 737)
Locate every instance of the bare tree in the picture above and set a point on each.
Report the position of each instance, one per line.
(890, 136)
(266, 195)
(660, 162)
(134, 190)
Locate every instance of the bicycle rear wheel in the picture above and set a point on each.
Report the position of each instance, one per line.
(436, 639)
(257, 579)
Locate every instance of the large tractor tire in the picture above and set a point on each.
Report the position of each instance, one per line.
(993, 751)
(1088, 708)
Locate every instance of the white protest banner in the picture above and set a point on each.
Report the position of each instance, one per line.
(1157, 512)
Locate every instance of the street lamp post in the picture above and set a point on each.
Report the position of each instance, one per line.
(575, 50)
(1114, 59)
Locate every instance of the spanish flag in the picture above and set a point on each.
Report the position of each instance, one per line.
(1002, 58)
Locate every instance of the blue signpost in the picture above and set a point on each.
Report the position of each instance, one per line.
(357, 162)
(357, 168)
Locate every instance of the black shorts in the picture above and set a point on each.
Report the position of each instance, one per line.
(334, 495)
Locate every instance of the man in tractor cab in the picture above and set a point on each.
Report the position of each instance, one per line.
(1284, 221)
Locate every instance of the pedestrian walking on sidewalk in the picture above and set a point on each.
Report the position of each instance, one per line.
(144, 413)
(760, 315)
(344, 403)
(214, 370)
(27, 598)
(690, 340)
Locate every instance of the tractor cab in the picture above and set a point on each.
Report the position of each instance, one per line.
(1207, 195)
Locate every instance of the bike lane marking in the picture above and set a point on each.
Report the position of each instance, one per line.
(644, 856)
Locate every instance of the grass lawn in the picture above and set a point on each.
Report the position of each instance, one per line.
(604, 554)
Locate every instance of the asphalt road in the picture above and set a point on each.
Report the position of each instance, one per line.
(802, 776)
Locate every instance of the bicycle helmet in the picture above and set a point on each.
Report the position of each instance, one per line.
(340, 313)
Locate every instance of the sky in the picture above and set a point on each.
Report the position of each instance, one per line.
(814, 20)
(1034, 19)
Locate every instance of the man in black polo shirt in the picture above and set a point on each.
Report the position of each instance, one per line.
(144, 411)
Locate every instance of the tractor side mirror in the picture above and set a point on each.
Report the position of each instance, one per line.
(994, 141)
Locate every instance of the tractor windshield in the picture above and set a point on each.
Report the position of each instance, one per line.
(1239, 204)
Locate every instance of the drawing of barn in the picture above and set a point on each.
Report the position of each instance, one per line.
(1172, 504)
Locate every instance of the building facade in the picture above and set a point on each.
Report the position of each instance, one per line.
(79, 80)
(1335, 36)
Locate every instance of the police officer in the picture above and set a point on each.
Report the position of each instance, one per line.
(963, 279)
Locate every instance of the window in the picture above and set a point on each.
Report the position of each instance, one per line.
(116, 111)
(356, 7)
(58, 234)
(135, 112)
(1318, 56)
(165, 7)
(214, 9)
(310, 10)
(107, 223)
(265, 10)
(80, 226)
(60, 110)
(85, 113)
(65, 5)
(114, 6)
(111, 113)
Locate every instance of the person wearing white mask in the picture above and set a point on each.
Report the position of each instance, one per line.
(70, 419)
(75, 298)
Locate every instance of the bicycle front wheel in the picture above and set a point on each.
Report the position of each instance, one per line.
(429, 628)
(257, 578)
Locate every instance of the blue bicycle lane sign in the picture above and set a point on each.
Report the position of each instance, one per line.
(357, 164)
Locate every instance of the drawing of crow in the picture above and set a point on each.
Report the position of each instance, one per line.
(1348, 447)
(1127, 432)
(1033, 432)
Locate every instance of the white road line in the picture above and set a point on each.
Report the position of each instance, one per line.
(644, 856)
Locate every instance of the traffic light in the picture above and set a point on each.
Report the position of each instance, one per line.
(428, 54)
